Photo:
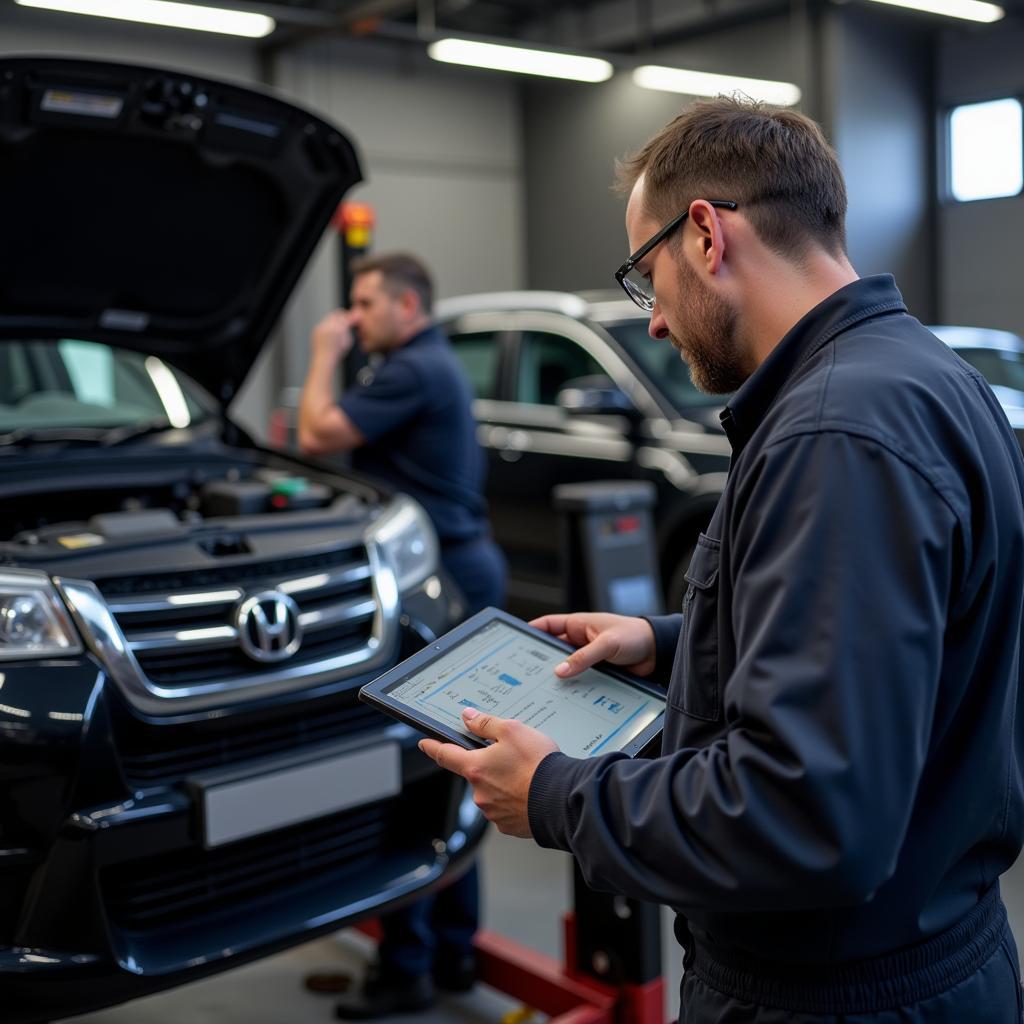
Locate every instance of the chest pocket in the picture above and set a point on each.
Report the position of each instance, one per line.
(695, 688)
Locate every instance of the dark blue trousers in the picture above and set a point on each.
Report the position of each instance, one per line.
(443, 925)
(968, 975)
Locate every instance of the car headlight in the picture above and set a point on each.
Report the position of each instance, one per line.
(407, 542)
(33, 620)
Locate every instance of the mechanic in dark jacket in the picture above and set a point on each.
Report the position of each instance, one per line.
(409, 421)
(840, 781)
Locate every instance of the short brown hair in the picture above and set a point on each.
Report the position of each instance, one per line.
(400, 272)
(774, 163)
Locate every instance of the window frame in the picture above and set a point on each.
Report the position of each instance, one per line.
(946, 136)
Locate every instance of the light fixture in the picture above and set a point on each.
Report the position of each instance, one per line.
(704, 83)
(497, 57)
(167, 13)
(970, 10)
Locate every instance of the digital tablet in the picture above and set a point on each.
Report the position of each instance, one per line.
(499, 664)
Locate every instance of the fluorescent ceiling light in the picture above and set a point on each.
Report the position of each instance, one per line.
(496, 57)
(164, 12)
(970, 10)
(703, 83)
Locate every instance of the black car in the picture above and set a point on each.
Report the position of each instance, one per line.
(571, 388)
(187, 780)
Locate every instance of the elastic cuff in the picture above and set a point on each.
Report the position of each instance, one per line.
(666, 640)
(548, 802)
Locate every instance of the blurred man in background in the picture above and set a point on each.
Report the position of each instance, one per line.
(407, 419)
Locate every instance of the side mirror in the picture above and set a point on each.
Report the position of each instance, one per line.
(595, 396)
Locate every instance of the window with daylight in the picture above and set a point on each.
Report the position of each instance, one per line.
(986, 150)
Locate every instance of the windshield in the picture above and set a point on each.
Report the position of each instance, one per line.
(663, 366)
(46, 385)
(1004, 371)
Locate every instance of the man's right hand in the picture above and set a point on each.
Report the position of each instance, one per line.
(332, 337)
(601, 636)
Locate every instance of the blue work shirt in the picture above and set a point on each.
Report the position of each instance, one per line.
(841, 773)
(415, 412)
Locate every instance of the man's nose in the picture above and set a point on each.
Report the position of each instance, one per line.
(658, 327)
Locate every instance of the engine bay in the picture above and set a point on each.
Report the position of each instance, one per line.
(118, 511)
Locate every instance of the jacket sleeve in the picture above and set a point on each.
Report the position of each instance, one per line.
(666, 637)
(842, 560)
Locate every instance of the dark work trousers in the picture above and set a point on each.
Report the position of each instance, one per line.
(442, 925)
(966, 975)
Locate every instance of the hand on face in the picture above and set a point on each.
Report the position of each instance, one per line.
(332, 337)
(600, 636)
(501, 773)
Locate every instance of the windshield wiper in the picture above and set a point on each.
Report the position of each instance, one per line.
(61, 435)
(132, 431)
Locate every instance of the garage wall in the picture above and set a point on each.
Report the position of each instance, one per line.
(867, 78)
(877, 110)
(979, 243)
(441, 151)
(574, 132)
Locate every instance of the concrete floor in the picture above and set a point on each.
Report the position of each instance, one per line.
(526, 891)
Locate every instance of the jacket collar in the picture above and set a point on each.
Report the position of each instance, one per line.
(852, 304)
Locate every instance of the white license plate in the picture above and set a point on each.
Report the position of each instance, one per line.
(276, 799)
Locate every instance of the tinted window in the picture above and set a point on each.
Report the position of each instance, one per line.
(1005, 373)
(546, 363)
(82, 384)
(662, 365)
(478, 353)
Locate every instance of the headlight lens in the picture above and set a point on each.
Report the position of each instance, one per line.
(407, 541)
(33, 621)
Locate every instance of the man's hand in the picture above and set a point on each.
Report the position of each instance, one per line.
(332, 337)
(601, 636)
(499, 774)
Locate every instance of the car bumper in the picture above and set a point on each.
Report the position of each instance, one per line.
(173, 918)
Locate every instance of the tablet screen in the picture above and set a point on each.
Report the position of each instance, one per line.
(510, 673)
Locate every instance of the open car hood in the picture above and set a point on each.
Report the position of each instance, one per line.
(158, 211)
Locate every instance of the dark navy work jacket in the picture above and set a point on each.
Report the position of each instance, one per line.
(415, 411)
(841, 763)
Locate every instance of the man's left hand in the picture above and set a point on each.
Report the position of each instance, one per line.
(501, 773)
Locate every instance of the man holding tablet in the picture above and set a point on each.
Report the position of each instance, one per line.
(839, 784)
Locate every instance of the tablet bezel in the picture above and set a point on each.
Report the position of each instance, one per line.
(376, 693)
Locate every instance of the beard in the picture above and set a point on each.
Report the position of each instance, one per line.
(708, 344)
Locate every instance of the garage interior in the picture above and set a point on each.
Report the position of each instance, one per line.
(501, 182)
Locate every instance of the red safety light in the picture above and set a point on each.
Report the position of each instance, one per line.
(627, 524)
(355, 221)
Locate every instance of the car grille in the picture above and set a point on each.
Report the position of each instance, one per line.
(188, 884)
(180, 627)
(191, 639)
(169, 753)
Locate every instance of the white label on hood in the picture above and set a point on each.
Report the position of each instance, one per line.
(86, 104)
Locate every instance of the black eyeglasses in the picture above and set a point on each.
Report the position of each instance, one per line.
(636, 285)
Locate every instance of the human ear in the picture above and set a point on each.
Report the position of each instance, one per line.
(711, 233)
